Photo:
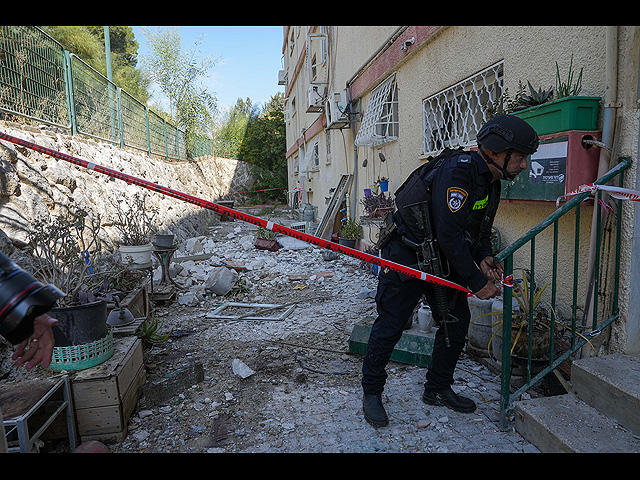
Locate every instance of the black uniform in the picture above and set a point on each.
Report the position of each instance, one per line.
(463, 199)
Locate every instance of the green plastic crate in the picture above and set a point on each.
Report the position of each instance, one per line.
(570, 113)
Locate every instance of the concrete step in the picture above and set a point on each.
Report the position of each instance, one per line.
(600, 414)
(611, 384)
(566, 424)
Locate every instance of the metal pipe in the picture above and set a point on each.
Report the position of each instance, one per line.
(608, 128)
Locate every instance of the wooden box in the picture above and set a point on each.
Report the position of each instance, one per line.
(104, 396)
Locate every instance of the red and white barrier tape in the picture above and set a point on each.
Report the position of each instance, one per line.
(320, 242)
(618, 193)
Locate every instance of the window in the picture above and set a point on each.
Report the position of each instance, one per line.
(453, 116)
(380, 122)
(316, 53)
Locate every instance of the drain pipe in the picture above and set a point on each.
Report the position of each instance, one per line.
(608, 128)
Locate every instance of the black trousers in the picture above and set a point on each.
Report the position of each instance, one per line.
(396, 299)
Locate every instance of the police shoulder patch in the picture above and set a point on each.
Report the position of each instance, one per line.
(456, 197)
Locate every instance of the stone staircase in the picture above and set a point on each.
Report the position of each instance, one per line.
(600, 414)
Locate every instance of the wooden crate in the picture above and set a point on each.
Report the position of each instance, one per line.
(104, 396)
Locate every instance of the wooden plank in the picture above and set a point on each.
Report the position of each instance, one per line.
(328, 218)
(132, 395)
(98, 420)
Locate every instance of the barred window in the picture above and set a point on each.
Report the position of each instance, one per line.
(380, 122)
(453, 116)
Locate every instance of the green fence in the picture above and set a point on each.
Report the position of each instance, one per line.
(42, 81)
(556, 337)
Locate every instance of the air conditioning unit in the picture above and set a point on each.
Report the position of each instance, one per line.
(336, 110)
(316, 98)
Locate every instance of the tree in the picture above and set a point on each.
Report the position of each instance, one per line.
(264, 147)
(177, 73)
(87, 42)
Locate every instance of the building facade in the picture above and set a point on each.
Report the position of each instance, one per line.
(368, 103)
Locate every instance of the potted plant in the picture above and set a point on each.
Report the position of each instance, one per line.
(350, 232)
(377, 205)
(567, 111)
(64, 251)
(134, 221)
(266, 240)
(522, 313)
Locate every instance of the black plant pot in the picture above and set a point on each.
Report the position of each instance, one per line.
(80, 324)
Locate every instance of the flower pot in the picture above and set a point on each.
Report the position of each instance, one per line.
(381, 212)
(79, 324)
(163, 241)
(137, 256)
(569, 113)
(367, 192)
(384, 186)
(480, 333)
(348, 242)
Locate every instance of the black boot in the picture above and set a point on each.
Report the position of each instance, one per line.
(374, 412)
(448, 398)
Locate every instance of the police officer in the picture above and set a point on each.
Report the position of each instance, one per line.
(460, 191)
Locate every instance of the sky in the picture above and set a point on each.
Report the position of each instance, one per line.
(249, 59)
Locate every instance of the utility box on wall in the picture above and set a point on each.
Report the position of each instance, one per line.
(561, 164)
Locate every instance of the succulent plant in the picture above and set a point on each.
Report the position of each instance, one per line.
(535, 97)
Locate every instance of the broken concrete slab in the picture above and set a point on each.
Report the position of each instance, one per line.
(221, 280)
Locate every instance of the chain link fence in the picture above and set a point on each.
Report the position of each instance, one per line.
(42, 81)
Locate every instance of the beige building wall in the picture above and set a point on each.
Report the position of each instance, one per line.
(359, 58)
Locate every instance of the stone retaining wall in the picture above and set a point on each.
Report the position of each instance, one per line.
(34, 186)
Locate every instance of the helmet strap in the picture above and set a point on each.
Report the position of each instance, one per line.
(503, 169)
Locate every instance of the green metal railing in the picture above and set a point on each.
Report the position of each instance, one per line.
(534, 371)
(42, 81)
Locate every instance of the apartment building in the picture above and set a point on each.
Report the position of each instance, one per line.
(365, 103)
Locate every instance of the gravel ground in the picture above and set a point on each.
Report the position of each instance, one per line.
(290, 384)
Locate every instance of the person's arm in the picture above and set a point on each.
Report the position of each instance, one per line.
(450, 207)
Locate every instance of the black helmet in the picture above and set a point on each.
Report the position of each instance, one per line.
(505, 132)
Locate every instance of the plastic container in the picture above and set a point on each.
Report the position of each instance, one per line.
(569, 113)
(425, 318)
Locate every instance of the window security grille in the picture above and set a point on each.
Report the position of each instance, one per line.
(453, 116)
(380, 122)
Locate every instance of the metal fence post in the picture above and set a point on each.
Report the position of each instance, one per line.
(68, 81)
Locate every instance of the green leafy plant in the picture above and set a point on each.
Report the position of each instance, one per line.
(568, 88)
(266, 234)
(351, 229)
(149, 332)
